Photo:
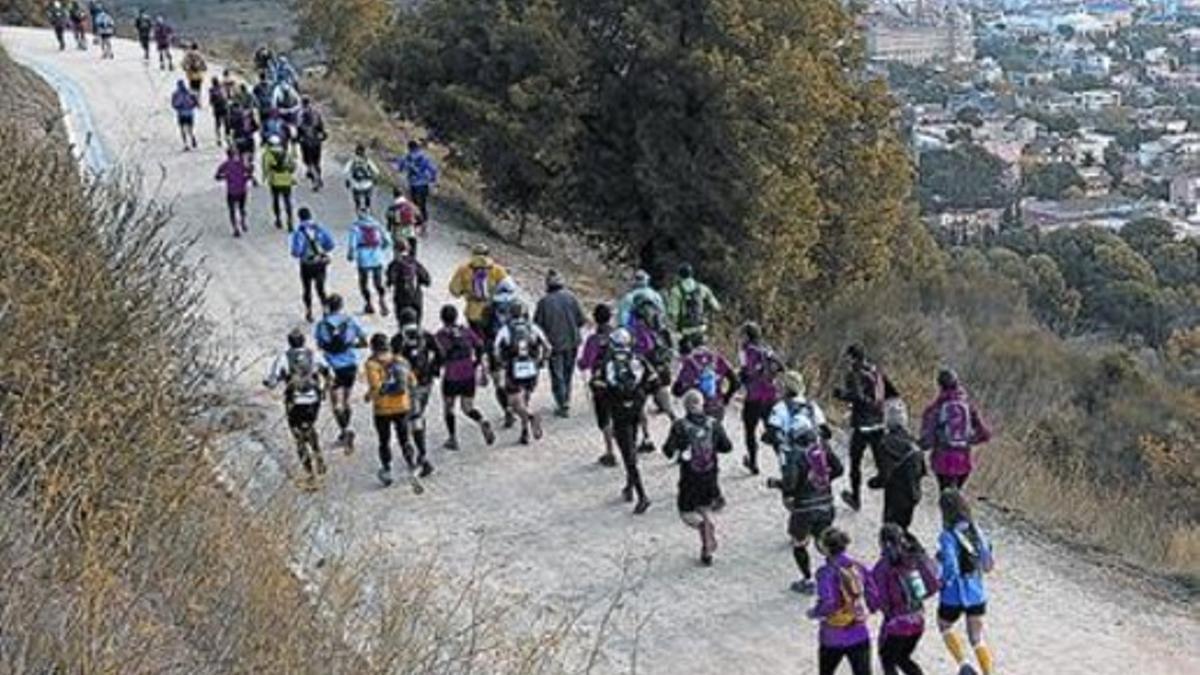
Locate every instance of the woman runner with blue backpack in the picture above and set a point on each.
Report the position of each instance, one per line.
(965, 555)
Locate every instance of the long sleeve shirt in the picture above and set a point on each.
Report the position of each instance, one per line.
(418, 169)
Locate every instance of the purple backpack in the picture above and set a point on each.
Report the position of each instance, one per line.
(954, 428)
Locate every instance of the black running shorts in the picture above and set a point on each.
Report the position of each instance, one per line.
(951, 613)
(344, 378)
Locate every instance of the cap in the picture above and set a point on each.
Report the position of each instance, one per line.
(793, 382)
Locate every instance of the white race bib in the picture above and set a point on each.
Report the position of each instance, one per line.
(524, 369)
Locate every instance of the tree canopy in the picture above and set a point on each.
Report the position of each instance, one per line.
(713, 131)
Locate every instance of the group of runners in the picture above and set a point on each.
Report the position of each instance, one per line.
(646, 354)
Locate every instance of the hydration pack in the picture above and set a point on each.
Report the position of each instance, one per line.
(460, 347)
(369, 237)
(303, 385)
(969, 546)
(850, 597)
(700, 455)
(806, 452)
(693, 307)
(407, 278)
(622, 373)
(182, 101)
(954, 428)
(395, 378)
(480, 283)
(360, 171)
(338, 338)
(874, 387)
(912, 589)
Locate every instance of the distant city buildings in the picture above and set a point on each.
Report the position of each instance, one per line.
(918, 32)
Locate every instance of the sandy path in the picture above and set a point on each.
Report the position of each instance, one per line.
(548, 516)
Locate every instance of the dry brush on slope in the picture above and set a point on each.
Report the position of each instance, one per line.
(119, 553)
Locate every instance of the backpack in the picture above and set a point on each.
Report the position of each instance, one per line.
(360, 171)
(312, 250)
(913, 590)
(182, 101)
(622, 374)
(701, 454)
(874, 387)
(806, 444)
(693, 307)
(480, 283)
(954, 428)
(968, 551)
(407, 277)
(395, 378)
(368, 236)
(401, 215)
(337, 337)
(708, 383)
(767, 364)
(303, 385)
(519, 350)
(850, 595)
(460, 348)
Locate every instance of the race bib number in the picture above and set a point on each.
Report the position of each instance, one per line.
(524, 369)
(306, 397)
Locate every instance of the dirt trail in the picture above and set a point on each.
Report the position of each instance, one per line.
(547, 517)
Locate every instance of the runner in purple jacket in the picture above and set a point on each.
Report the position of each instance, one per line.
(950, 427)
(462, 360)
(237, 177)
(705, 369)
(758, 367)
(594, 349)
(905, 577)
(846, 595)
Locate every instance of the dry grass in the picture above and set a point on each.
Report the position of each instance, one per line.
(119, 553)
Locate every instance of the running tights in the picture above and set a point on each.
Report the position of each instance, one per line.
(859, 656)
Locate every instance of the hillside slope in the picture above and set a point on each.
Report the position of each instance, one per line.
(545, 518)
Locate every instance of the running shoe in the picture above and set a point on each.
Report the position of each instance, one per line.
(385, 477)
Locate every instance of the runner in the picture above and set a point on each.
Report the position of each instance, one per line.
(361, 174)
(264, 61)
(279, 173)
(144, 26)
(595, 350)
(965, 555)
(905, 578)
(284, 73)
(403, 220)
(310, 132)
(865, 389)
(286, 100)
(418, 347)
(306, 378)
(560, 317)
(695, 441)
(406, 277)
(704, 369)
(689, 304)
(390, 382)
(367, 247)
(163, 35)
(476, 281)
(273, 125)
(639, 292)
(950, 426)
(243, 128)
(799, 433)
(237, 177)
(846, 595)
(311, 245)
(57, 15)
(184, 102)
(78, 20)
(497, 315)
(264, 95)
(652, 341)
(521, 348)
(93, 7)
(421, 173)
(462, 366)
(758, 368)
(218, 100)
(338, 335)
(194, 68)
(628, 379)
(105, 28)
(901, 467)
